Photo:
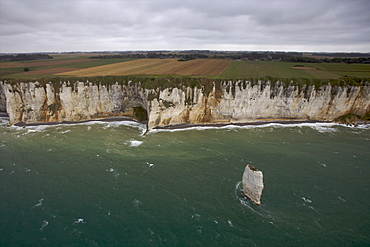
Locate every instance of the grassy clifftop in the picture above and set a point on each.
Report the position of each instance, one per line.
(165, 82)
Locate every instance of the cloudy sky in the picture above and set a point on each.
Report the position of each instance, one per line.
(109, 25)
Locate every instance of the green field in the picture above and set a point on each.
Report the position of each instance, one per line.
(259, 69)
(235, 70)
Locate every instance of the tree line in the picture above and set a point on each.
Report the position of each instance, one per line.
(24, 57)
(265, 56)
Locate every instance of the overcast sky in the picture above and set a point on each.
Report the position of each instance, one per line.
(106, 25)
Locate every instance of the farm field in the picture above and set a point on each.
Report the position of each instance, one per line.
(258, 69)
(80, 65)
(48, 68)
(197, 67)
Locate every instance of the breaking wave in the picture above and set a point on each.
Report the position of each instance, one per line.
(320, 127)
(134, 143)
(24, 130)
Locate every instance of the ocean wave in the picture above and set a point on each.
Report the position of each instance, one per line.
(24, 130)
(242, 199)
(78, 221)
(150, 164)
(30, 129)
(306, 199)
(4, 121)
(320, 127)
(247, 126)
(121, 123)
(44, 224)
(40, 203)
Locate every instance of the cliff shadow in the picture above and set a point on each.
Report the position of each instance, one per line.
(137, 113)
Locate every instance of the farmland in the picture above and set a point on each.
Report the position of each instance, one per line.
(80, 65)
(198, 67)
(258, 69)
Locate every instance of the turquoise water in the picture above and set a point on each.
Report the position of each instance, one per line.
(107, 184)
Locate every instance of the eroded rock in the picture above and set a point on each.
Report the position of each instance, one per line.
(253, 184)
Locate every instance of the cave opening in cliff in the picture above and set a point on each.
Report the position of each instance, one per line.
(137, 113)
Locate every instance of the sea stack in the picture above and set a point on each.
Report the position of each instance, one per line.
(252, 184)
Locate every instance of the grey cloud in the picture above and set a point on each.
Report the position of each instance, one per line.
(41, 25)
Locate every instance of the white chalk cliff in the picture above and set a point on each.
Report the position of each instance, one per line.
(252, 182)
(224, 102)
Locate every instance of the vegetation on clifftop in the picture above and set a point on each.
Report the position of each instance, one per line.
(179, 82)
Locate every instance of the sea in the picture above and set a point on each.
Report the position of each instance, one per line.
(114, 184)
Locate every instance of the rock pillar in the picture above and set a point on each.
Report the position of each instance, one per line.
(252, 184)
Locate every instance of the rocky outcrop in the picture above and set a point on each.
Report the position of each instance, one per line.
(2, 98)
(252, 182)
(222, 102)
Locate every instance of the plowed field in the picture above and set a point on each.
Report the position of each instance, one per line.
(197, 67)
(4, 65)
(49, 71)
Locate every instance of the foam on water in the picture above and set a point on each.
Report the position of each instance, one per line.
(242, 199)
(4, 121)
(116, 124)
(320, 127)
(322, 164)
(78, 221)
(136, 203)
(134, 143)
(44, 224)
(24, 130)
(114, 172)
(306, 199)
(150, 164)
(340, 198)
(40, 203)
(230, 223)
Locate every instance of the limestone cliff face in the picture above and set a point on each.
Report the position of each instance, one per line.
(31, 102)
(228, 102)
(244, 101)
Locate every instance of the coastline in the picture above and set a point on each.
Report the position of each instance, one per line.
(187, 126)
(254, 123)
